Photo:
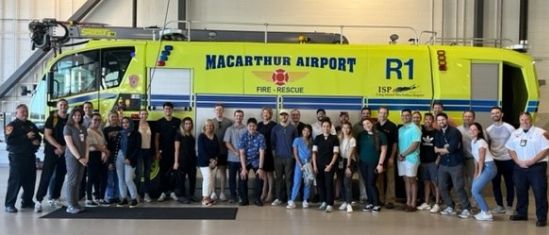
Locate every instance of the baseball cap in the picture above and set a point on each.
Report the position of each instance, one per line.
(283, 111)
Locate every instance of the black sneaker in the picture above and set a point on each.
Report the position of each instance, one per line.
(27, 205)
(518, 217)
(368, 207)
(122, 203)
(91, 203)
(133, 204)
(376, 208)
(258, 203)
(244, 203)
(184, 200)
(541, 223)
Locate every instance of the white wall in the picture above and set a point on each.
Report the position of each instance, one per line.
(343, 12)
(14, 37)
(119, 12)
(538, 39)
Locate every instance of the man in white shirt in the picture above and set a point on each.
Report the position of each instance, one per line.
(498, 133)
(317, 126)
(528, 147)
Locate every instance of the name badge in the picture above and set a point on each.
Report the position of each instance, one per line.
(81, 137)
(523, 142)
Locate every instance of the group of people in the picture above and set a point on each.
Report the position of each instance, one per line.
(289, 159)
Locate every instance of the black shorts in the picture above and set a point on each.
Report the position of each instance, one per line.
(222, 160)
(268, 165)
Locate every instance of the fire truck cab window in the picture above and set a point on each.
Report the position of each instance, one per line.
(75, 74)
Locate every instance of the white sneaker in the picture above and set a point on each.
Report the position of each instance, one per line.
(424, 206)
(435, 208)
(276, 202)
(349, 208)
(484, 216)
(465, 214)
(173, 196)
(55, 203)
(37, 207)
(323, 206)
(222, 197)
(305, 204)
(499, 210)
(448, 211)
(213, 196)
(343, 206)
(329, 209)
(291, 205)
(161, 198)
(147, 198)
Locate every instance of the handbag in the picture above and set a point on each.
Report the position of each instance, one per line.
(308, 173)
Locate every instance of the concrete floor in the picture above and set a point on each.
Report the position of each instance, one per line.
(268, 220)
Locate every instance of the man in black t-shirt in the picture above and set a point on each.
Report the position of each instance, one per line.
(164, 143)
(429, 168)
(54, 152)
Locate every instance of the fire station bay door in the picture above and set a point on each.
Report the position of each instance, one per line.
(173, 85)
(484, 89)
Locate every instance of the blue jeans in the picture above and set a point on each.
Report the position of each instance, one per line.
(487, 174)
(298, 175)
(126, 174)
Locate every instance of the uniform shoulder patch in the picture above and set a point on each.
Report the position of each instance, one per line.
(8, 129)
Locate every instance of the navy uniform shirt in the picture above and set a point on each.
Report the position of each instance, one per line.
(17, 140)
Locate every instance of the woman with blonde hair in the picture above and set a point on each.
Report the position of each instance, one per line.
(346, 165)
(208, 151)
(144, 160)
(265, 127)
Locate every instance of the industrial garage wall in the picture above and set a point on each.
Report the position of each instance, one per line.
(450, 18)
(538, 37)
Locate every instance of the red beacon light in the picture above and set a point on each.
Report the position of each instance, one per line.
(441, 57)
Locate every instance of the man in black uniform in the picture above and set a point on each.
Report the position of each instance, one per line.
(23, 140)
(54, 160)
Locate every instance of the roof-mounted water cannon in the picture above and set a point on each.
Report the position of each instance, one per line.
(170, 34)
(48, 34)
